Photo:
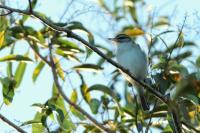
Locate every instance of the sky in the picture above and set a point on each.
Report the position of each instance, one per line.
(28, 93)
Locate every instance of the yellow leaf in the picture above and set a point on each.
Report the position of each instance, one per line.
(1, 38)
(60, 71)
(134, 32)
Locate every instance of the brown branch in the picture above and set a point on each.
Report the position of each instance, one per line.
(92, 47)
(77, 107)
(5, 14)
(11, 124)
(38, 54)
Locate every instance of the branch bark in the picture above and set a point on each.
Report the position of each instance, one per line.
(77, 107)
(11, 124)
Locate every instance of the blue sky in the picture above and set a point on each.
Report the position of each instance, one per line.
(28, 93)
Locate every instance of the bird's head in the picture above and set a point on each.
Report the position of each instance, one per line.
(121, 38)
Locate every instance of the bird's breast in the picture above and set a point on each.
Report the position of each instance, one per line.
(134, 60)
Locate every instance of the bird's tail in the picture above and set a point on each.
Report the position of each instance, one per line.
(144, 103)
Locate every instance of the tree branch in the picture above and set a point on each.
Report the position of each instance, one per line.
(11, 124)
(30, 6)
(77, 107)
(5, 14)
(92, 47)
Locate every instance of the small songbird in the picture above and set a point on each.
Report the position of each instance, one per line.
(132, 57)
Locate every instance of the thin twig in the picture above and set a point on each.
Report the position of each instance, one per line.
(40, 56)
(53, 67)
(11, 124)
(96, 50)
(30, 6)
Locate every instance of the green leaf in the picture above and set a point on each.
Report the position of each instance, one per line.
(60, 71)
(74, 98)
(180, 42)
(3, 22)
(198, 62)
(162, 21)
(37, 70)
(67, 55)
(13, 57)
(175, 46)
(182, 56)
(167, 129)
(8, 89)
(33, 5)
(57, 100)
(75, 25)
(2, 34)
(9, 64)
(19, 73)
(186, 88)
(171, 123)
(94, 105)
(38, 127)
(88, 67)
(104, 89)
(64, 43)
(84, 92)
(133, 12)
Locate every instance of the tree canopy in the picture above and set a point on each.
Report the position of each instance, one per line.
(78, 59)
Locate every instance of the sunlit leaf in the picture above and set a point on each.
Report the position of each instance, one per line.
(198, 62)
(37, 70)
(134, 32)
(133, 12)
(88, 67)
(162, 21)
(13, 57)
(85, 94)
(9, 64)
(58, 101)
(19, 73)
(104, 89)
(167, 129)
(68, 55)
(180, 42)
(38, 127)
(63, 42)
(8, 89)
(1, 38)
(3, 22)
(74, 98)
(94, 105)
(75, 25)
(60, 71)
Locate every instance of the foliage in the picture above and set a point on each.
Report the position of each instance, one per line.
(168, 72)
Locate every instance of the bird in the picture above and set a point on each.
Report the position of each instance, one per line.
(130, 56)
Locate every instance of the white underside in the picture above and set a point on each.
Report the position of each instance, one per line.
(132, 58)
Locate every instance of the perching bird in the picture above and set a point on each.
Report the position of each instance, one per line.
(132, 57)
